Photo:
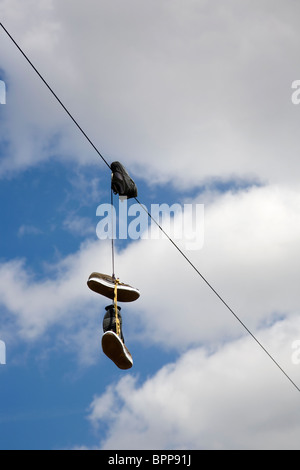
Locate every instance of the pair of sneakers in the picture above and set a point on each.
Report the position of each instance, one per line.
(113, 344)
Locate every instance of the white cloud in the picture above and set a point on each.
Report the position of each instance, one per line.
(185, 93)
(234, 398)
(59, 297)
(249, 257)
(29, 230)
(77, 225)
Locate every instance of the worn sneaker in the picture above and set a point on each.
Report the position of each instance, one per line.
(109, 321)
(121, 183)
(105, 285)
(114, 348)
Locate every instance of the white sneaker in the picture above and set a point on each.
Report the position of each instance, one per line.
(105, 285)
(114, 348)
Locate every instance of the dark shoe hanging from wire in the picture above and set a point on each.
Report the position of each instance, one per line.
(121, 182)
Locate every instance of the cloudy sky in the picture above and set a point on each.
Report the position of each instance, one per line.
(195, 98)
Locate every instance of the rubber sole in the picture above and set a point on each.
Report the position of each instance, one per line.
(105, 285)
(115, 349)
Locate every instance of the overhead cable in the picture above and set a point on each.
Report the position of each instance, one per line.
(151, 217)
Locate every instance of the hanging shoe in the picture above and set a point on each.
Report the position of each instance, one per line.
(113, 345)
(109, 321)
(114, 348)
(105, 285)
(121, 183)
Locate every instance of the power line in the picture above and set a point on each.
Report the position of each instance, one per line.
(218, 295)
(151, 217)
(55, 95)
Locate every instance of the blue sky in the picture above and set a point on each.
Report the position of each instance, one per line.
(195, 100)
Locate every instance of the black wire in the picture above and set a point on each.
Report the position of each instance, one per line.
(150, 216)
(217, 294)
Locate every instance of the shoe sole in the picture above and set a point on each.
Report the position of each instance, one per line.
(115, 349)
(105, 285)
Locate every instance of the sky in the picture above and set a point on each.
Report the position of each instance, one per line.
(196, 99)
